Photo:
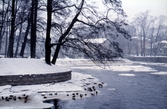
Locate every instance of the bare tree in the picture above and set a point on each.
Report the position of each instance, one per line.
(92, 26)
(158, 31)
(150, 28)
(142, 23)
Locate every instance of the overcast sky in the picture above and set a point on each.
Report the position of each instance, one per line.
(133, 7)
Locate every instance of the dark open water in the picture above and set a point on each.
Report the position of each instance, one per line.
(142, 91)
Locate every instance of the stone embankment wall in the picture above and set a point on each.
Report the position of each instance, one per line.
(35, 78)
(148, 59)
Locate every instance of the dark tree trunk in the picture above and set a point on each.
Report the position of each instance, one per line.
(56, 54)
(25, 37)
(33, 27)
(32, 30)
(11, 38)
(48, 39)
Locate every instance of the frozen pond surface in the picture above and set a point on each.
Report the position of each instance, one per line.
(131, 85)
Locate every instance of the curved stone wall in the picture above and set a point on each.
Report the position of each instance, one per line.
(34, 78)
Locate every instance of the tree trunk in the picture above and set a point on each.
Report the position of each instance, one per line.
(151, 44)
(11, 38)
(6, 39)
(33, 27)
(137, 50)
(141, 46)
(1, 25)
(56, 54)
(1, 37)
(144, 43)
(3, 17)
(18, 41)
(25, 37)
(48, 39)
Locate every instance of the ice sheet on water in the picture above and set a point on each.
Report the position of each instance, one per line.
(160, 73)
(126, 74)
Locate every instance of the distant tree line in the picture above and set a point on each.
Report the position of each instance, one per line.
(61, 24)
(151, 33)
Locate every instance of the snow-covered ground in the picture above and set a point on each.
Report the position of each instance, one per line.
(16, 66)
(38, 93)
(81, 78)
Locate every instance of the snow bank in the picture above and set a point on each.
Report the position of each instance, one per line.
(17, 66)
(35, 92)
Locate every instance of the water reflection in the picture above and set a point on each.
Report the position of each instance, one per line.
(55, 104)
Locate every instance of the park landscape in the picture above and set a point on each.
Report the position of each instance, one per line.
(79, 54)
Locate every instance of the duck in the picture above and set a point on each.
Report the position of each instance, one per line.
(94, 88)
(6, 98)
(14, 98)
(11, 96)
(92, 94)
(19, 98)
(90, 89)
(25, 101)
(100, 85)
(2, 98)
(50, 94)
(96, 92)
(26, 97)
(44, 97)
(73, 98)
(81, 95)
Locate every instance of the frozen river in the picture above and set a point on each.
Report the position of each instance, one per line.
(132, 85)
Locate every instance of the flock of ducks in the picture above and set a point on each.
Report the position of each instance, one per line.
(23, 98)
(91, 89)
